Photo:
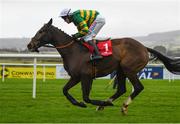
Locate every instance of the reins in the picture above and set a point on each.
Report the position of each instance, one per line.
(64, 46)
(60, 46)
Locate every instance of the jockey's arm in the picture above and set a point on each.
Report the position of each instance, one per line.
(81, 26)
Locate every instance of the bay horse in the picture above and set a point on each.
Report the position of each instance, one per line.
(129, 57)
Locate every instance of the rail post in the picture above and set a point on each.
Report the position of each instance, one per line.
(44, 73)
(34, 78)
(3, 72)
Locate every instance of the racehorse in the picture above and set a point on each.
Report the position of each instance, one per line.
(128, 58)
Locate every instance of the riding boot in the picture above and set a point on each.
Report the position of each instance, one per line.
(97, 54)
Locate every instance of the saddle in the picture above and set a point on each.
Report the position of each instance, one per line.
(104, 46)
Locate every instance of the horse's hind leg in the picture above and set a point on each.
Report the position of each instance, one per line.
(138, 87)
(72, 82)
(121, 89)
(86, 83)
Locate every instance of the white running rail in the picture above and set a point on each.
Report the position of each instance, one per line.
(34, 57)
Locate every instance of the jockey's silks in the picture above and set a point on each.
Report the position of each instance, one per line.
(83, 20)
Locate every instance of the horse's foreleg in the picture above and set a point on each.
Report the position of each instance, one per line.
(86, 83)
(72, 82)
(138, 87)
(121, 89)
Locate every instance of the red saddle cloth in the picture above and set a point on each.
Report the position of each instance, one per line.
(105, 47)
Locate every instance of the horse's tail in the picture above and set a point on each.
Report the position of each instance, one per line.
(173, 65)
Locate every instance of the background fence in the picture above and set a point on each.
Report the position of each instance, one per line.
(152, 71)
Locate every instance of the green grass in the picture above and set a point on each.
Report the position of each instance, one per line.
(159, 102)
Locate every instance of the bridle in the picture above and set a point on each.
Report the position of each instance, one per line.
(60, 46)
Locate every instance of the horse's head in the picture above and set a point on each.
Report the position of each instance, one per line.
(42, 37)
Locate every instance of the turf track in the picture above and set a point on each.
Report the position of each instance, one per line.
(159, 102)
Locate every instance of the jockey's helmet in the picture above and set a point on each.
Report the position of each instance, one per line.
(65, 12)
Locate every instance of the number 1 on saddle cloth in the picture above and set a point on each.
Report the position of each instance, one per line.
(105, 47)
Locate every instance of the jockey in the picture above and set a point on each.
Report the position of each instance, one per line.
(88, 22)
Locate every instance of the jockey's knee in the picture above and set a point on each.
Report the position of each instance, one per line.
(103, 22)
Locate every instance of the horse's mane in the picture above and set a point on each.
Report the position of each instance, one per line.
(62, 32)
(68, 37)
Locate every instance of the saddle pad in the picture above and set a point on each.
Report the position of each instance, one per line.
(105, 47)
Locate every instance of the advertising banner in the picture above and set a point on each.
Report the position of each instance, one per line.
(58, 72)
(27, 72)
(61, 72)
(151, 73)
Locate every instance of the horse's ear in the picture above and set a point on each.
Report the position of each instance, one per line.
(50, 22)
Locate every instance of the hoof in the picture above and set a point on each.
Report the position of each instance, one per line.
(124, 110)
(81, 104)
(100, 108)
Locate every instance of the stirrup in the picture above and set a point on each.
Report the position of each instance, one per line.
(96, 57)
